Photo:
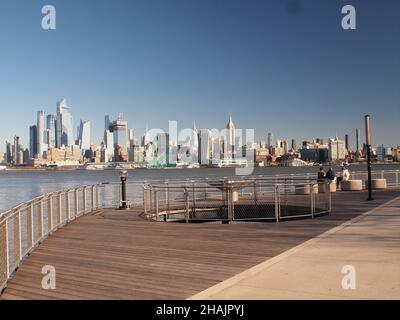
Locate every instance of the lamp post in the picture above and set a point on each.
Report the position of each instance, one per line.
(368, 143)
(124, 177)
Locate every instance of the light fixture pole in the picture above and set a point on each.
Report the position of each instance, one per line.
(368, 143)
(124, 178)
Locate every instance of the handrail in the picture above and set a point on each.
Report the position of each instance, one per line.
(27, 224)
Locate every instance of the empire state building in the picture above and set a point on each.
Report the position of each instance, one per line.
(230, 139)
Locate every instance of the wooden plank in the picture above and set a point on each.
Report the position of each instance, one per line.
(119, 255)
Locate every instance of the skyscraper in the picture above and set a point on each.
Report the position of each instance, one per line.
(346, 142)
(33, 141)
(163, 148)
(205, 144)
(270, 139)
(84, 135)
(8, 152)
(120, 132)
(357, 139)
(64, 126)
(294, 146)
(40, 133)
(51, 126)
(16, 149)
(107, 122)
(230, 142)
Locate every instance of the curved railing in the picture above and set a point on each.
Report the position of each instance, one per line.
(25, 226)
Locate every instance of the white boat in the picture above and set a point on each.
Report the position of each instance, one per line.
(2, 168)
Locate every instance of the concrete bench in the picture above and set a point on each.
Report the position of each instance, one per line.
(306, 189)
(323, 186)
(378, 184)
(351, 185)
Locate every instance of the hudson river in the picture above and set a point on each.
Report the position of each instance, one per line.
(17, 186)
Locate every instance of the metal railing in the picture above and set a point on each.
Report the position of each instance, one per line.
(227, 201)
(25, 226)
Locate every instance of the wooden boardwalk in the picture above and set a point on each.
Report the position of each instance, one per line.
(118, 255)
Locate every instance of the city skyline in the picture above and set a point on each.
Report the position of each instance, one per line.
(295, 73)
(85, 132)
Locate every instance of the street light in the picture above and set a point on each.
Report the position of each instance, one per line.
(368, 143)
(124, 177)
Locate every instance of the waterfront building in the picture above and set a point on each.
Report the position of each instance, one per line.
(205, 144)
(119, 128)
(107, 122)
(383, 153)
(20, 158)
(230, 140)
(294, 145)
(33, 141)
(270, 139)
(337, 149)
(15, 151)
(163, 148)
(41, 147)
(119, 155)
(262, 157)
(346, 142)
(8, 152)
(51, 120)
(64, 125)
(84, 137)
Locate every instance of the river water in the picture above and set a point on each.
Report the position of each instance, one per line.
(17, 186)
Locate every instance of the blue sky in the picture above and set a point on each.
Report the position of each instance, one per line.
(281, 66)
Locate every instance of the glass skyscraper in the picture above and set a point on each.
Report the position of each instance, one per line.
(64, 126)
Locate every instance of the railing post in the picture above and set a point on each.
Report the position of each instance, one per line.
(76, 202)
(156, 203)
(230, 204)
(194, 199)
(97, 197)
(312, 200)
(187, 204)
(84, 199)
(31, 236)
(329, 198)
(277, 203)
(19, 236)
(41, 219)
(68, 205)
(167, 200)
(59, 208)
(382, 174)
(397, 177)
(145, 200)
(50, 212)
(92, 199)
(7, 250)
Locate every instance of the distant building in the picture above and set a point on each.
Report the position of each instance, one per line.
(163, 148)
(119, 128)
(84, 135)
(205, 146)
(337, 149)
(41, 146)
(64, 125)
(230, 141)
(8, 152)
(33, 141)
(51, 120)
(270, 139)
(384, 154)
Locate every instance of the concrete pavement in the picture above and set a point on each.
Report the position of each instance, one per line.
(313, 270)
